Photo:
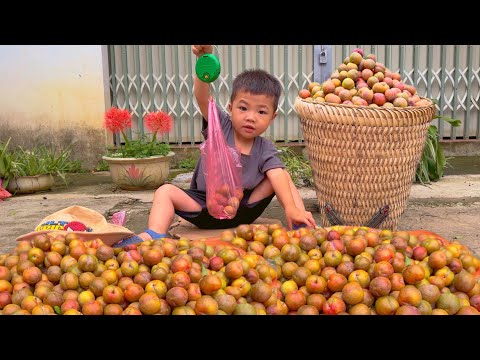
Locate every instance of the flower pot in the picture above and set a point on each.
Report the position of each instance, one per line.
(139, 173)
(30, 184)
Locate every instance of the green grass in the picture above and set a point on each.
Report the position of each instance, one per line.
(187, 164)
(297, 166)
(102, 166)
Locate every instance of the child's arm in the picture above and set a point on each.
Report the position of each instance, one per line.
(281, 186)
(201, 90)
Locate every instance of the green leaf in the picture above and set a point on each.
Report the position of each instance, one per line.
(423, 172)
(441, 162)
(453, 122)
(432, 131)
(408, 261)
(204, 270)
(57, 309)
(431, 151)
(432, 162)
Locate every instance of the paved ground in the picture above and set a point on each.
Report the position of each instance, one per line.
(450, 207)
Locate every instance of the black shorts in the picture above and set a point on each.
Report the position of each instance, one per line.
(246, 213)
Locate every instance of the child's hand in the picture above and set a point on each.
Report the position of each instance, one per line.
(200, 50)
(297, 216)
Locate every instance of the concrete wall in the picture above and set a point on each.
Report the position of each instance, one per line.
(55, 94)
(461, 148)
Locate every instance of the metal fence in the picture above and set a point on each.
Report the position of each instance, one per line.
(151, 78)
(160, 77)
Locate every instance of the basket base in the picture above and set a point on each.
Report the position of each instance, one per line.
(375, 222)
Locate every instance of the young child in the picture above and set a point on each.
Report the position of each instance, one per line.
(252, 108)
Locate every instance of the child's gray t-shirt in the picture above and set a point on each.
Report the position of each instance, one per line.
(263, 156)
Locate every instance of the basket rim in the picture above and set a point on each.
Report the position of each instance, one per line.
(373, 108)
(361, 115)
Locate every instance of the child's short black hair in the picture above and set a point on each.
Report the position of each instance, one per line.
(257, 82)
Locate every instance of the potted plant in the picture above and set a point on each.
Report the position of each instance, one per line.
(433, 162)
(141, 163)
(27, 171)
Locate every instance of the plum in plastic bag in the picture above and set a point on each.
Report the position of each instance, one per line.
(223, 170)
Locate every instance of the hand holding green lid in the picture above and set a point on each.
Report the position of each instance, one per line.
(207, 67)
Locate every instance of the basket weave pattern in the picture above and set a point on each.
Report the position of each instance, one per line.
(363, 157)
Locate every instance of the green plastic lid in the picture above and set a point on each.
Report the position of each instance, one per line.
(207, 68)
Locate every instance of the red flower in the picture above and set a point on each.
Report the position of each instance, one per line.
(117, 120)
(159, 121)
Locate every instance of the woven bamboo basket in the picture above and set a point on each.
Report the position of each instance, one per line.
(362, 157)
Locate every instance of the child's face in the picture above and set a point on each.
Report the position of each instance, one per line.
(251, 114)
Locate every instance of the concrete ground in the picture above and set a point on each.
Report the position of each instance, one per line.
(449, 207)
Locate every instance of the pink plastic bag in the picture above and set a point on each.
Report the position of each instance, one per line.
(222, 168)
(119, 218)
